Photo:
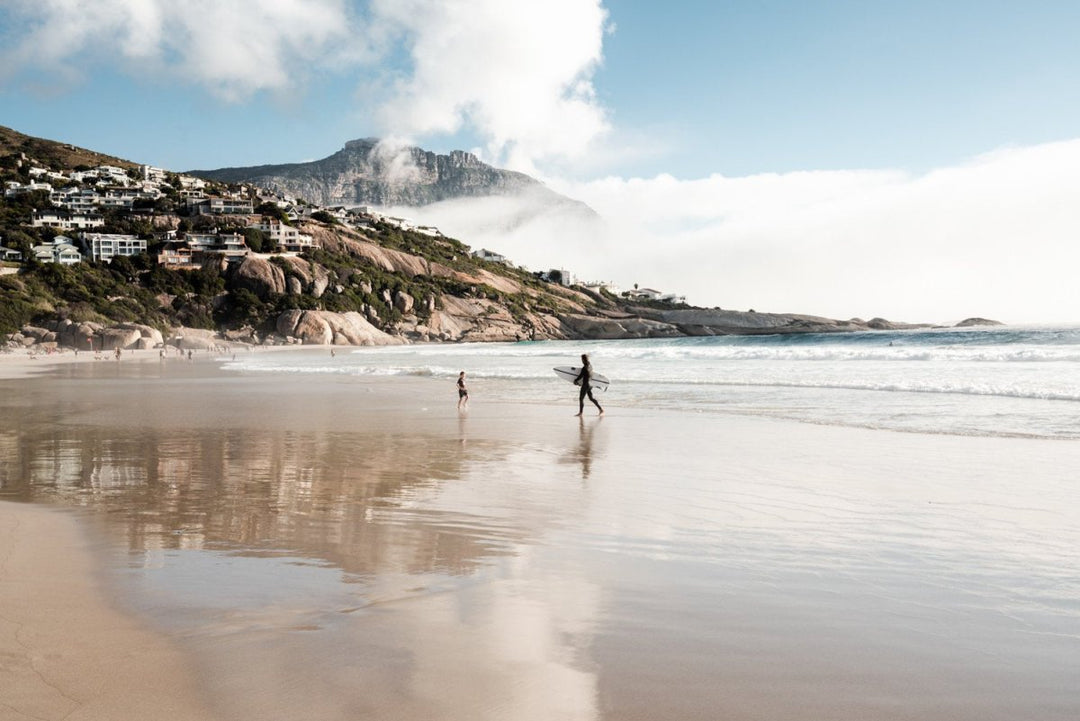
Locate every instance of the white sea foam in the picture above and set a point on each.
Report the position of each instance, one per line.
(987, 381)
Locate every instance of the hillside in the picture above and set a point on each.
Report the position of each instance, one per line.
(52, 153)
(217, 257)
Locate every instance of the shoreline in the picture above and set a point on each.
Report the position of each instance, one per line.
(29, 364)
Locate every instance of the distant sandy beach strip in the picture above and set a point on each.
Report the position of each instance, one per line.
(24, 364)
(67, 654)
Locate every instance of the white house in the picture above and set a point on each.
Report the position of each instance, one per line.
(598, 285)
(643, 294)
(287, 237)
(151, 173)
(61, 250)
(229, 245)
(103, 246)
(221, 206)
(190, 182)
(66, 221)
(15, 188)
(485, 254)
(74, 198)
(653, 294)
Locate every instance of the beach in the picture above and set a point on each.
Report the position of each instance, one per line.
(214, 539)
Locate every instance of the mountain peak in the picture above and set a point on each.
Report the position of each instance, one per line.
(367, 172)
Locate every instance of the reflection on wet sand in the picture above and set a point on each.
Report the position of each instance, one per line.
(326, 573)
(317, 494)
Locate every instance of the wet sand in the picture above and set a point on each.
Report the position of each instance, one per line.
(347, 548)
(66, 652)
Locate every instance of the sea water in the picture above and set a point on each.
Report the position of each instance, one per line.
(988, 381)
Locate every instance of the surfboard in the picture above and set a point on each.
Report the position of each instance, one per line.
(569, 373)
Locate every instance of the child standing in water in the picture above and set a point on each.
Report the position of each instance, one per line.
(462, 392)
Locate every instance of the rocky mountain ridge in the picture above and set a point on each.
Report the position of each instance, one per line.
(365, 172)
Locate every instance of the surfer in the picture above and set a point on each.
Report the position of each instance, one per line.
(462, 392)
(582, 380)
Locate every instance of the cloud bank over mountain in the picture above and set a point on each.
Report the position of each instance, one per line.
(994, 237)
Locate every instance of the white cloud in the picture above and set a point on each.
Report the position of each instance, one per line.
(518, 73)
(233, 47)
(996, 237)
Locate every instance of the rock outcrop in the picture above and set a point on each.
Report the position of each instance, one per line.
(317, 327)
(704, 321)
(260, 276)
(971, 322)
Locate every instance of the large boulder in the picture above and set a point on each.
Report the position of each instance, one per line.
(38, 334)
(319, 327)
(83, 336)
(151, 335)
(403, 302)
(260, 276)
(123, 338)
(194, 339)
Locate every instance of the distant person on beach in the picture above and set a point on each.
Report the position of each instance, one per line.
(462, 392)
(583, 379)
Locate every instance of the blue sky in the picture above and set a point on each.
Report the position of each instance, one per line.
(806, 133)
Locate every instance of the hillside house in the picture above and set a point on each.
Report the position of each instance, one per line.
(61, 250)
(177, 255)
(287, 237)
(490, 255)
(156, 175)
(104, 246)
(65, 221)
(75, 199)
(598, 285)
(230, 246)
(221, 206)
(10, 255)
(643, 294)
(559, 275)
(653, 294)
(15, 188)
(190, 182)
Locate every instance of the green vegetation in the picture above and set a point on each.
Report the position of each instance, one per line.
(138, 289)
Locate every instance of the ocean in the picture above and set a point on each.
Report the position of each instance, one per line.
(987, 381)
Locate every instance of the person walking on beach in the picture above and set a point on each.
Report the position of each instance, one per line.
(462, 392)
(583, 379)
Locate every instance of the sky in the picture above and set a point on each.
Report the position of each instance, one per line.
(918, 161)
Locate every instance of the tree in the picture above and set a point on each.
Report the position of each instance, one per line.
(256, 240)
